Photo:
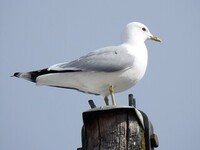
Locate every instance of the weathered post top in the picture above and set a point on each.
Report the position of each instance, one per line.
(117, 128)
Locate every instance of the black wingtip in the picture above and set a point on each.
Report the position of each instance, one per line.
(16, 74)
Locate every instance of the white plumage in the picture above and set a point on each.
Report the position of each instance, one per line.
(119, 67)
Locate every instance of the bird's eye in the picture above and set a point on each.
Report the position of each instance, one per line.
(144, 29)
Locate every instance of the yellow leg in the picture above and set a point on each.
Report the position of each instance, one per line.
(106, 100)
(111, 90)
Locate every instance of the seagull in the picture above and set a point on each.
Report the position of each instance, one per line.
(104, 71)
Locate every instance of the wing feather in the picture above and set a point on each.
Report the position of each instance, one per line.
(108, 59)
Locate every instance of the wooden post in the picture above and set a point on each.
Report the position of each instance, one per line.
(117, 128)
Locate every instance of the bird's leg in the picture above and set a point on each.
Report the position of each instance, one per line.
(106, 100)
(111, 90)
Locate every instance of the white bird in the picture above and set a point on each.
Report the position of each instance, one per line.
(104, 71)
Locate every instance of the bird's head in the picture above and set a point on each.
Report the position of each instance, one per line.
(136, 31)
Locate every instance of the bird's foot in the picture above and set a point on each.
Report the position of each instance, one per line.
(111, 90)
(106, 100)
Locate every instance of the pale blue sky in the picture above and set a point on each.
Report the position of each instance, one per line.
(39, 33)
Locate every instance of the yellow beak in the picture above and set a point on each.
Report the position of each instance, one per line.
(155, 38)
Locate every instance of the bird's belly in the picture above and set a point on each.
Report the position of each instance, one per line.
(127, 79)
(93, 82)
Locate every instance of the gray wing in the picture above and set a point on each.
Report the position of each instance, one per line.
(108, 59)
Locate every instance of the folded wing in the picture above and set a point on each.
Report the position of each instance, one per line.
(109, 59)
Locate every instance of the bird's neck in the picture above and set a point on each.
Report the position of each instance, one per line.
(132, 40)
